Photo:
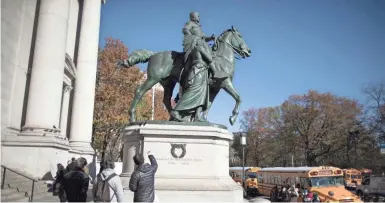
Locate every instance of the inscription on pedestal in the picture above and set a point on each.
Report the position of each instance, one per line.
(174, 161)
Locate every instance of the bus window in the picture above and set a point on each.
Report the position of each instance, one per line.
(326, 181)
(260, 179)
(251, 174)
(276, 179)
(305, 182)
(356, 176)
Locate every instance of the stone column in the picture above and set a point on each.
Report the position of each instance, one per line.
(45, 91)
(84, 95)
(64, 110)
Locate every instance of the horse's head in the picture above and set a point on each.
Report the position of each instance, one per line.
(234, 38)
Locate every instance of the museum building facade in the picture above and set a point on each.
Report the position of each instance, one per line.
(48, 73)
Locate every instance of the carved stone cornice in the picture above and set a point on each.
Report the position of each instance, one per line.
(68, 88)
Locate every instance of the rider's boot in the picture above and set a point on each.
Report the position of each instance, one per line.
(176, 116)
(198, 115)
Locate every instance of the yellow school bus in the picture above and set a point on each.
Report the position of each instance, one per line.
(365, 173)
(352, 177)
(327, 182)
(251, 181)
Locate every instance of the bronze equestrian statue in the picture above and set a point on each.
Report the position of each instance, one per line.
(200, 70)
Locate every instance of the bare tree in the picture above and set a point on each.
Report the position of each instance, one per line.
(376, 109)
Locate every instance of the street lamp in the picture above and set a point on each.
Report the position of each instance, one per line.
(243, 144)
(153, 104)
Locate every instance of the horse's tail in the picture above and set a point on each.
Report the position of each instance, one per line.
(139, 56)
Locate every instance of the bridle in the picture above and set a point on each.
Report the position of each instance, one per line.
(239, 53)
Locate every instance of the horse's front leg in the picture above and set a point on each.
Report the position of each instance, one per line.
(227, 85)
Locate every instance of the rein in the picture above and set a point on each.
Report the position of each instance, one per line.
(235, 49)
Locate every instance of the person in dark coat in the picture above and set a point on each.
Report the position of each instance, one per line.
(76, 182)
(71, 166)
(142, 179)
(59, 182)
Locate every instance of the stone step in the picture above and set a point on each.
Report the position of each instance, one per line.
(11, 174)
(22, 182)
(28, 187)
(19, 199)
(12, 196)
(10, 179)
(45, 197)
(38, 192)
(17, 178)
(24, 199)
(48, 197)
(16, 183)
(7, 191)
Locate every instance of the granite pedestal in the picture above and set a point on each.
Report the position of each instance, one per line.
(193, 161)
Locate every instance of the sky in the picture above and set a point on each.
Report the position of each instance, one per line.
(335, 46)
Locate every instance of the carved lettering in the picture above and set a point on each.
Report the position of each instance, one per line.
(176, 161)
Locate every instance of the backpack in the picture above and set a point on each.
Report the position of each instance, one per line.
(103, 189)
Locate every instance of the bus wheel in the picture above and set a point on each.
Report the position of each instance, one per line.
(360, 194)
(257, 193)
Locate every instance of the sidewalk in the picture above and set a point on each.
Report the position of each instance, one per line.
(257, 199)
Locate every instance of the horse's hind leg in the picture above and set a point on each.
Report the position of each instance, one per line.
(168, 86)
(139, 92)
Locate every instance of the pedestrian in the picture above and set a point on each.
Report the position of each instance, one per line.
(142, 179)
(293, 193)
(76, 182)
(108, 186)
(71, 166)
(57, 185)
(316, 198)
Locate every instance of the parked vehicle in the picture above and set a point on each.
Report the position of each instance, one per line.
(326, 182)
(372, 189)
(251, 181)
(352, 178)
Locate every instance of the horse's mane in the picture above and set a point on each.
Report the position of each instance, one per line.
(215, 46)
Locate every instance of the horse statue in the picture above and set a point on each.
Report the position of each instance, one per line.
(166, 67)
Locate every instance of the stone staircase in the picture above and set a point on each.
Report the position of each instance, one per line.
(18, 188)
